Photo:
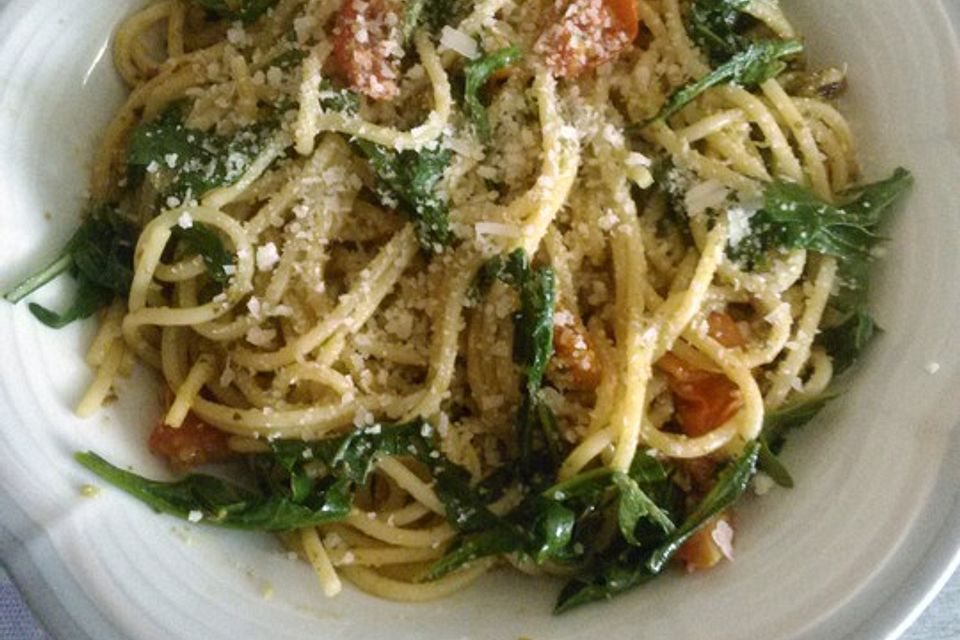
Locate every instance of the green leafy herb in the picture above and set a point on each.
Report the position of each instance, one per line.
(100, 256)
(246, 10)
(716, 27)
(334, 99)
(731, 484)
(533, 345)
(769, 463)
(184, 163)
(432, 14)
(532, 350)
(476, 74)
(618, 575)
(793, 217)
(549, 526)
(492, 542)
(539, 443)
(288, 59)
(60, 265)
(465, 505)
(353, 456)
(292, 495)
(803, 220)
(222, 503)
(622, 565)
(204, 242)
(633, 505)
(408, 181)
(88, 300)
(846, 341)
(758, 62)
(778, 423)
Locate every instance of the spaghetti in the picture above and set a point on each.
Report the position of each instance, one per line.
(547, 274)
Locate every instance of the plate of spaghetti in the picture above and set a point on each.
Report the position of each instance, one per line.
(485, 319)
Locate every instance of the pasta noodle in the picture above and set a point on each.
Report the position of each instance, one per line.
(322, 267)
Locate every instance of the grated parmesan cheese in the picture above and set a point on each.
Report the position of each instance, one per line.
(762, 483)
(460, 42)
(738, 221)
(704, 196)
(267, 256)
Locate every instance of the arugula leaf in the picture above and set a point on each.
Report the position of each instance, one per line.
(585, 486)
(533, 323)
(804, 220)
(408, 181)
(551, 526)
(633, 505)
(204, 241)
(622, 572)
(246, 10)
(731, 484)
(492, 542)
(334, 99)
(476, 74)
(769, 463)
(432, 14)
(288, 59)
(539, 528)
(532, 350)
(548, 526)
(99, 255)
(186, 163)
(293, 493)
(758, 62)
(647, 470)
(102, 250)
(776, 424)
(793, 217)
(60, 265)
(875, 200)
(353, 457)
(88, 299)
(222, 503)
(715, 25)
(847, 340)
(465, 506)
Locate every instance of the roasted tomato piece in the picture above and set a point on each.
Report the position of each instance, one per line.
(704, 400)
(194, 444)
(575, 362)
(709, 545)
(368, 46)
(581, 34)
(724, 330)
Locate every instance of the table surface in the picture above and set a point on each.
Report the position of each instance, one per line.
(941, 621)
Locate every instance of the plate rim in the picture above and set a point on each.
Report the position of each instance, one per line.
(25, 545)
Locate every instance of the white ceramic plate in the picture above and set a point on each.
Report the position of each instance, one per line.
(855, 551)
